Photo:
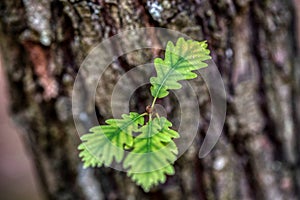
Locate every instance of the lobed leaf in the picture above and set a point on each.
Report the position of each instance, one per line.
(179, 63)
(106, 142)
(153, 154)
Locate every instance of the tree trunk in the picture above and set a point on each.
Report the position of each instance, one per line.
(253, 43)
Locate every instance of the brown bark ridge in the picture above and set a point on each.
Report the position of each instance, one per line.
(254, 45)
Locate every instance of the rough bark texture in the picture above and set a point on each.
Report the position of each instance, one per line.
(254, 45)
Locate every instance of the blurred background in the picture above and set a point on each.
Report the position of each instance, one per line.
(17, 174)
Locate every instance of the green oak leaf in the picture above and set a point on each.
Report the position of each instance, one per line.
(179, 63)
(153, 154)
(106, 142)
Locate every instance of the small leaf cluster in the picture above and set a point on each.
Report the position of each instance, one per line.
(144, 143)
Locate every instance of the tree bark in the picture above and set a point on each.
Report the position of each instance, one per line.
(254, 45)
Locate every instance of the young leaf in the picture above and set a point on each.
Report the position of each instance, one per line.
(107, 141)
(153, 154)
(180, 60)
(153, 150)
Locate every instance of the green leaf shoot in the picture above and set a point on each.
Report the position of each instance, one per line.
(152, 148)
